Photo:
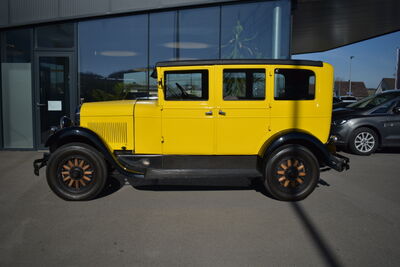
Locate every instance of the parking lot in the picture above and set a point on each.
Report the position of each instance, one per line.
(351, 219)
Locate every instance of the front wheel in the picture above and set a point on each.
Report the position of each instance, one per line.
(76, 172)
(291, 173)
(363, 141)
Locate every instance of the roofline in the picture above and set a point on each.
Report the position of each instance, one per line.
(296, 62)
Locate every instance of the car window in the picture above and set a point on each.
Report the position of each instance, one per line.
(384, 108)
(373, 101)
(243, 84)
(294, 84)
(186, 85)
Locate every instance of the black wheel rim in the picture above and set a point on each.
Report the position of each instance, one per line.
(76, 174)
(291, 175)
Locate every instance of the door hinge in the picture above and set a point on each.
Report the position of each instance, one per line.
(162, 139)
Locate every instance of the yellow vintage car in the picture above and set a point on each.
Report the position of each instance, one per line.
(211, 118)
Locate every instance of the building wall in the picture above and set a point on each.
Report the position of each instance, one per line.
(25, 12)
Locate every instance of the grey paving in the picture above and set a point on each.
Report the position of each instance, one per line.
(352, 219)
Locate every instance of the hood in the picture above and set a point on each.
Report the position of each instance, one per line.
(347, 112)
(108, 108)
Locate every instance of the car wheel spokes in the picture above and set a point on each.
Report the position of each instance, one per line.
(76, 173)
(291, 173)
(364, 142)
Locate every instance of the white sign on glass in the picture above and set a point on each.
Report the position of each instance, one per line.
(54, 105)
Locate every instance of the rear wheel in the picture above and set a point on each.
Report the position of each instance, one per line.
(76, 172)
(291, 173)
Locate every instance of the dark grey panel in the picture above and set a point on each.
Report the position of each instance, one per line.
(26, 11)
(3, 12)
(123, 5)
(75, 8)
(321, 25)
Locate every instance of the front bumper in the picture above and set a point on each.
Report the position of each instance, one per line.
(40, 163)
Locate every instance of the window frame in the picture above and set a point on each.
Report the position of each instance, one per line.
(205, 79)
(295, 69)
(248, 82)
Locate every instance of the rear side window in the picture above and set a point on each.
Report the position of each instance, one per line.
(186, 85)
(294, 84)
(244, 84)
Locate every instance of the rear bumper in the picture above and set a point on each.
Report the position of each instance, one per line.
(40, 163)
(338, 162)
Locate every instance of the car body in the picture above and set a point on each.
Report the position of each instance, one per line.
(210, 117)
(372, 122)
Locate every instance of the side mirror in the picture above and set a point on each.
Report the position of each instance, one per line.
(396, 110)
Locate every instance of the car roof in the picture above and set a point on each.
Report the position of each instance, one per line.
(240, 62)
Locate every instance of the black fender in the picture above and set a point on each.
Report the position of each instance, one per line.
(321, 152)
(84, 135)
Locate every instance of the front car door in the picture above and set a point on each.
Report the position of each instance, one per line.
(187, 103)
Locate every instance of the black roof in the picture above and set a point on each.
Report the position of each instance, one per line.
(239, 62)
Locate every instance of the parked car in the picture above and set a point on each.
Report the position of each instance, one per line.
(211, 117)
(368, 124)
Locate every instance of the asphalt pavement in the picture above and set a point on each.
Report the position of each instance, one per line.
(351, 219)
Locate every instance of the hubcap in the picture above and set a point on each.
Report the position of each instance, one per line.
(76, 173)
(291, 173)
(364, 142)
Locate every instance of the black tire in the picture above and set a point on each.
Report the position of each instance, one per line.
(76, 171)
(363, 141)
(291, 173)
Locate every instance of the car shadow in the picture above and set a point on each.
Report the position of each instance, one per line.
(389, 150)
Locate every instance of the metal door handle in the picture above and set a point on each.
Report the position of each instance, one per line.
(220, 112)
(209, 113)
(40, 104)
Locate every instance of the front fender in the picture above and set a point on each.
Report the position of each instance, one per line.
(84, 135)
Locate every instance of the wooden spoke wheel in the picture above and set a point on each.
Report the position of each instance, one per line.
(291, 173)
(76, 172)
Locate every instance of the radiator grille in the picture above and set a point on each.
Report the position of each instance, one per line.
(112, 132)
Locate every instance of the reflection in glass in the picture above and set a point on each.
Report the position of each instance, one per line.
(16, 83)
(198, 34)
(244, 84)
(186, 85)
(163, 31)
(247, 29)
(113, 58)
(55, 36)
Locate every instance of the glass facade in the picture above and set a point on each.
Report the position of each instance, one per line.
(16, 81)
(117, 54)
(111, 58)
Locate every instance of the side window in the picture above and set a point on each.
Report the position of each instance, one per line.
(244, 84)
(384, 108)
(186, 85)
(294, 84)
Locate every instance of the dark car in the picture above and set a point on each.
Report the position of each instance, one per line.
(368, 124)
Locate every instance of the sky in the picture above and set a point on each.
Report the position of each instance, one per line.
(373, 60)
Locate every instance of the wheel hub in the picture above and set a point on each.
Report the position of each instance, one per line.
(292, 173)
(76, 173)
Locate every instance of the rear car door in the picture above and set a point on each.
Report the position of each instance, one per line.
(242, 109)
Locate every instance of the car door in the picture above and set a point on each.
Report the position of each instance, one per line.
(393, 125)
(187, 114)
(242, 109)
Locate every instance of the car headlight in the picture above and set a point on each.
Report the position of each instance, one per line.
(78, 115)
(65, 122)
(339, 122)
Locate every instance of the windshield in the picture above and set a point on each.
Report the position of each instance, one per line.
(372, 101)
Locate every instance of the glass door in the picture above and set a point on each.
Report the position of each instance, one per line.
(53, 92)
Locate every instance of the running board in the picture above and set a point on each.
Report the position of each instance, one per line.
(200, 173)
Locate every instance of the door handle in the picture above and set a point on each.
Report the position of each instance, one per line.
(40, 104)
(209, 113)
(220, 112)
